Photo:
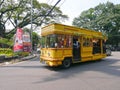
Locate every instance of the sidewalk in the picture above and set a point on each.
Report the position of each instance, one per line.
(18, 59)
(116, 54)
(29, 57)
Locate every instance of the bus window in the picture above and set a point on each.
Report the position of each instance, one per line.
(87, 42)
(64, 41)
(53, 41)
(42, 41)
(96, 46)
(56, 41)
(67, 41)
(49, 41)
(104, 46)
(60, 41)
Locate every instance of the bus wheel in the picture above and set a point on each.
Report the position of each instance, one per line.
(66, 63)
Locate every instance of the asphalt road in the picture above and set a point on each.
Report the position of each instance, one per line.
(32, 75)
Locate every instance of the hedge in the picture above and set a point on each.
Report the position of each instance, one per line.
(7, 52)
(6, 42)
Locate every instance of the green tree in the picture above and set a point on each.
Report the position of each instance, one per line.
(5, 6)
(2, 29)
(19, 10)
(104, 18)
(35, 39)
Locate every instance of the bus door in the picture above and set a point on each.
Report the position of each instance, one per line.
(76, 49)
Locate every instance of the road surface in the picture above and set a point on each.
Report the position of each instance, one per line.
(32, 75)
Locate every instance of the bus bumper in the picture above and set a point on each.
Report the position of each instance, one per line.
(51, 62)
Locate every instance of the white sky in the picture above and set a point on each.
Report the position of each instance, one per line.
(73, 8)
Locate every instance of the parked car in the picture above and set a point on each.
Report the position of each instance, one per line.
(108, 51)
(38, 50)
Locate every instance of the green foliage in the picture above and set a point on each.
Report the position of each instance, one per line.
(35, 39)
(104, 18)
(24, 54)
(6, 51)
(2, 29)
(6, 42)
(21, 54)
(20, 11)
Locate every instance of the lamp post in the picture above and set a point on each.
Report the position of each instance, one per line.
(31, 26)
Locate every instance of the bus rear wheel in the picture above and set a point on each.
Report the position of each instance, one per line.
(66, 63)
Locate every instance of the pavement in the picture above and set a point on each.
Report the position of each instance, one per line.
(29, 57)
(32, 75)
(116, 54)
(19, 59)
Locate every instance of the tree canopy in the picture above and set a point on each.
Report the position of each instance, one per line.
(20, 11)
(105, 18)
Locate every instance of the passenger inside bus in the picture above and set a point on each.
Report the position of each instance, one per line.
(104, 46)
(96, 46)
(76, 49)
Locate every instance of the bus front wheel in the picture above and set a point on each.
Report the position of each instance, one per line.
(66, 63)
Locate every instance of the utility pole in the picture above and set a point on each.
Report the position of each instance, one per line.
(41, 20)
(31, 26)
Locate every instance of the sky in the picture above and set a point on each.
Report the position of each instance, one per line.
(73, 8)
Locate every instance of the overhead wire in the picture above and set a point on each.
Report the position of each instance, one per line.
(49, 12)
(49, 2)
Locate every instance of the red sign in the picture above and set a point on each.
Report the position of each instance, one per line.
(26, 42)
(18, 44)
(26, 46)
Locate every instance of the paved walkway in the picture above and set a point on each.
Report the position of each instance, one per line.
(19, 59)
(116, 54)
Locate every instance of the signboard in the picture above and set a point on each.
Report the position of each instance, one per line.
(26, 37)
(22, 41)
(18, 44)
(26, 43)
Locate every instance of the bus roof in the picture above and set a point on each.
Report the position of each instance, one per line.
(70, 30)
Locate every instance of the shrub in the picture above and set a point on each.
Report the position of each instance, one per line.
(22, 54)
(25, 54)
(6, 42)
(7, 52)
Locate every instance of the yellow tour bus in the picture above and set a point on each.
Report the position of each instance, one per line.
(64, 45)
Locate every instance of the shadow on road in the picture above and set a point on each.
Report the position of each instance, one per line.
(107, 66)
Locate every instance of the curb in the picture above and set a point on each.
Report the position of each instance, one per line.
(29, 57)
(12, 61)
